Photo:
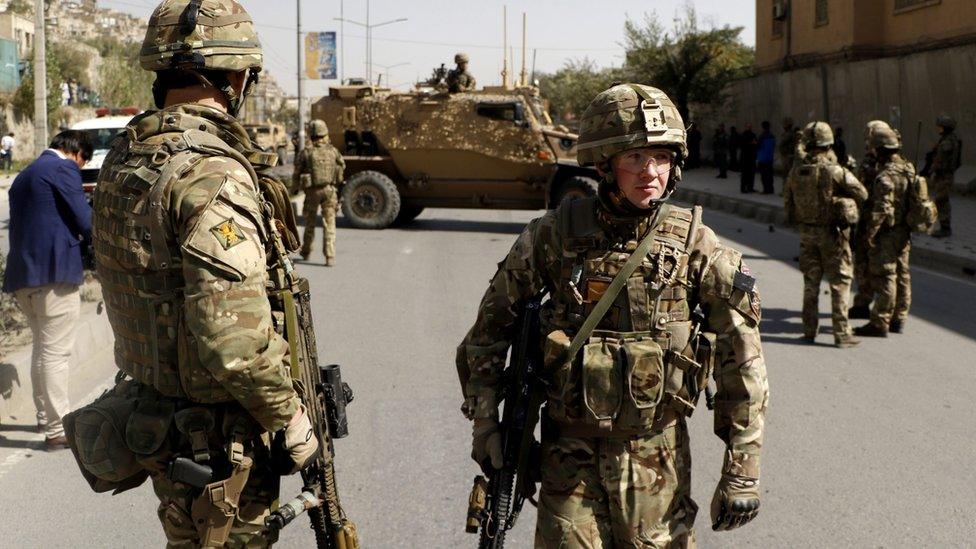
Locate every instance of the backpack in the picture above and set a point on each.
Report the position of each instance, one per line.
(920, 211)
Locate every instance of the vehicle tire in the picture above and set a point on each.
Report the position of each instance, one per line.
(576, 186)
(282, 156)
(370, 200)
(407, 214)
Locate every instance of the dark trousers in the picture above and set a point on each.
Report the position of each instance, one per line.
(747, 180)
(766, 176)
(722, 163)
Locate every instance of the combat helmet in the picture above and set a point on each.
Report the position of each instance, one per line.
(461, 57)
(946, 122)
(883, 137)
(818, 134)
(318, 129)
(203, 35)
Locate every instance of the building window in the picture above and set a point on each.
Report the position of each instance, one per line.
(902, 6)
(820, 13)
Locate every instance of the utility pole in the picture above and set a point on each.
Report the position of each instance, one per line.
(301, 81)
(40, 79)
(369, 38)
(342, 44)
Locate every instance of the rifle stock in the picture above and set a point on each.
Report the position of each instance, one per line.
(494, 506)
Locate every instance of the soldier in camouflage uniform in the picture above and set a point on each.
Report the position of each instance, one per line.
(616, 467)
(459, 79)
(888, 236)
(945, 161)
(822, 199)
(184, 245)
(319, 171)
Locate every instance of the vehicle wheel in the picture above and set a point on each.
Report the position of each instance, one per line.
(370, 200)
(576, 186)
(282, 156)
(408, 214)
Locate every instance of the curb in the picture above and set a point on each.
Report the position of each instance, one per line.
(921, 256)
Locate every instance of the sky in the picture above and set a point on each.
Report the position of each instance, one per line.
(434, 30)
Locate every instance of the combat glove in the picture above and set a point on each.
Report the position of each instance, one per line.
(736, 499)
(486, 444)
(299, 443)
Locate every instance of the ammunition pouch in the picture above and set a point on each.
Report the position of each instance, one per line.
(305, 180)
(844, 212)
(622, 383)
(113, 437)
(213, 511)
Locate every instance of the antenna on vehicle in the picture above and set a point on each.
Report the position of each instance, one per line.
(522, 76)
(505, 46)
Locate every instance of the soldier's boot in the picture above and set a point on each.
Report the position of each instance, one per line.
(945, 230)
(845, 341)
(895, 326)
(329, 261)
(871, 330)
(859, 312)
(806, 338)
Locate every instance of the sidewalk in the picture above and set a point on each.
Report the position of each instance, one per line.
(955, 255)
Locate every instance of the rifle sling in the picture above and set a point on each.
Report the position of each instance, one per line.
(616, 285)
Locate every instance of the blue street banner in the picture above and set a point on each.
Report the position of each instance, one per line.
(320, 56)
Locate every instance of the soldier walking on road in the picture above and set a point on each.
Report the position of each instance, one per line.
(822, 199)
(459, 79)
(616, 464)
(946, 158)
(186, 249)
(319, 171)
(888, 237)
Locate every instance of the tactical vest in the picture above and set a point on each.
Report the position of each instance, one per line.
(140, 262)
(322, 164)
(901, 174)
(635, 363)
(811, 185)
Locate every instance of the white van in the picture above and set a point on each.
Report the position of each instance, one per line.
(101, 131)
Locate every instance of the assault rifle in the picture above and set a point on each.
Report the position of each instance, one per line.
(496, 502)
(325, 397)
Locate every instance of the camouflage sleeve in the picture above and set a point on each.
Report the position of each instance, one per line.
(730, 301)
(226, 307)
(481, 355)
(851, 187)
(882, 205)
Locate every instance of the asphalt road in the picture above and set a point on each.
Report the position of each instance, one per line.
(868, 447)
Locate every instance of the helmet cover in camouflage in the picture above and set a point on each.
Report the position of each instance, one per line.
(885, 138)
(201, 34)
(818, 134)
(461, 57)
(629, 116)
(946, 122)
(318, 129)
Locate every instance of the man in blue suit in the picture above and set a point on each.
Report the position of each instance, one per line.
(49, 219)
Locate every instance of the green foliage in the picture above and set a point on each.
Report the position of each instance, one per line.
(23, 99)
(288, 117)
(123, 82)
(691, 64)
(23, 7)
(570, 89)
(72, 62)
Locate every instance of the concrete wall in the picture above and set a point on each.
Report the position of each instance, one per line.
(901, 90)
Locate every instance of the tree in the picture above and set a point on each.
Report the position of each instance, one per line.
(123, 82)
(72, 62)
(23, 99)
(570, 89)
(692, 64)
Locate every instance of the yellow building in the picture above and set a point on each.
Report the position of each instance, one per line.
(851, 61)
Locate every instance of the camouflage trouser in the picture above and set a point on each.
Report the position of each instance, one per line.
(890, 270)
(825, 252)
(327, 199)
(939, 187)
(617, 492)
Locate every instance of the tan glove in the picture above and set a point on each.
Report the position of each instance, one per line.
(486, 444)
(735, 503)
(300, 442)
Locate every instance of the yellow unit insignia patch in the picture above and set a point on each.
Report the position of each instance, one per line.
(228, 233)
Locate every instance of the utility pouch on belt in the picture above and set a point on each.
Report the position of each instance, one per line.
(213, 511)
(96, 436)
(306, 180)
(844, 212)
(622, 380)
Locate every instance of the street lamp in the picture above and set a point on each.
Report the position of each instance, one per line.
(387, 72)
(369, 38)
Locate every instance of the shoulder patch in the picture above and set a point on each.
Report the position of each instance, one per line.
(744, 281)
(228, 233)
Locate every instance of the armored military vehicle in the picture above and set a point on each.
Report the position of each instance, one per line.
(271, 137)
(404, 151)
